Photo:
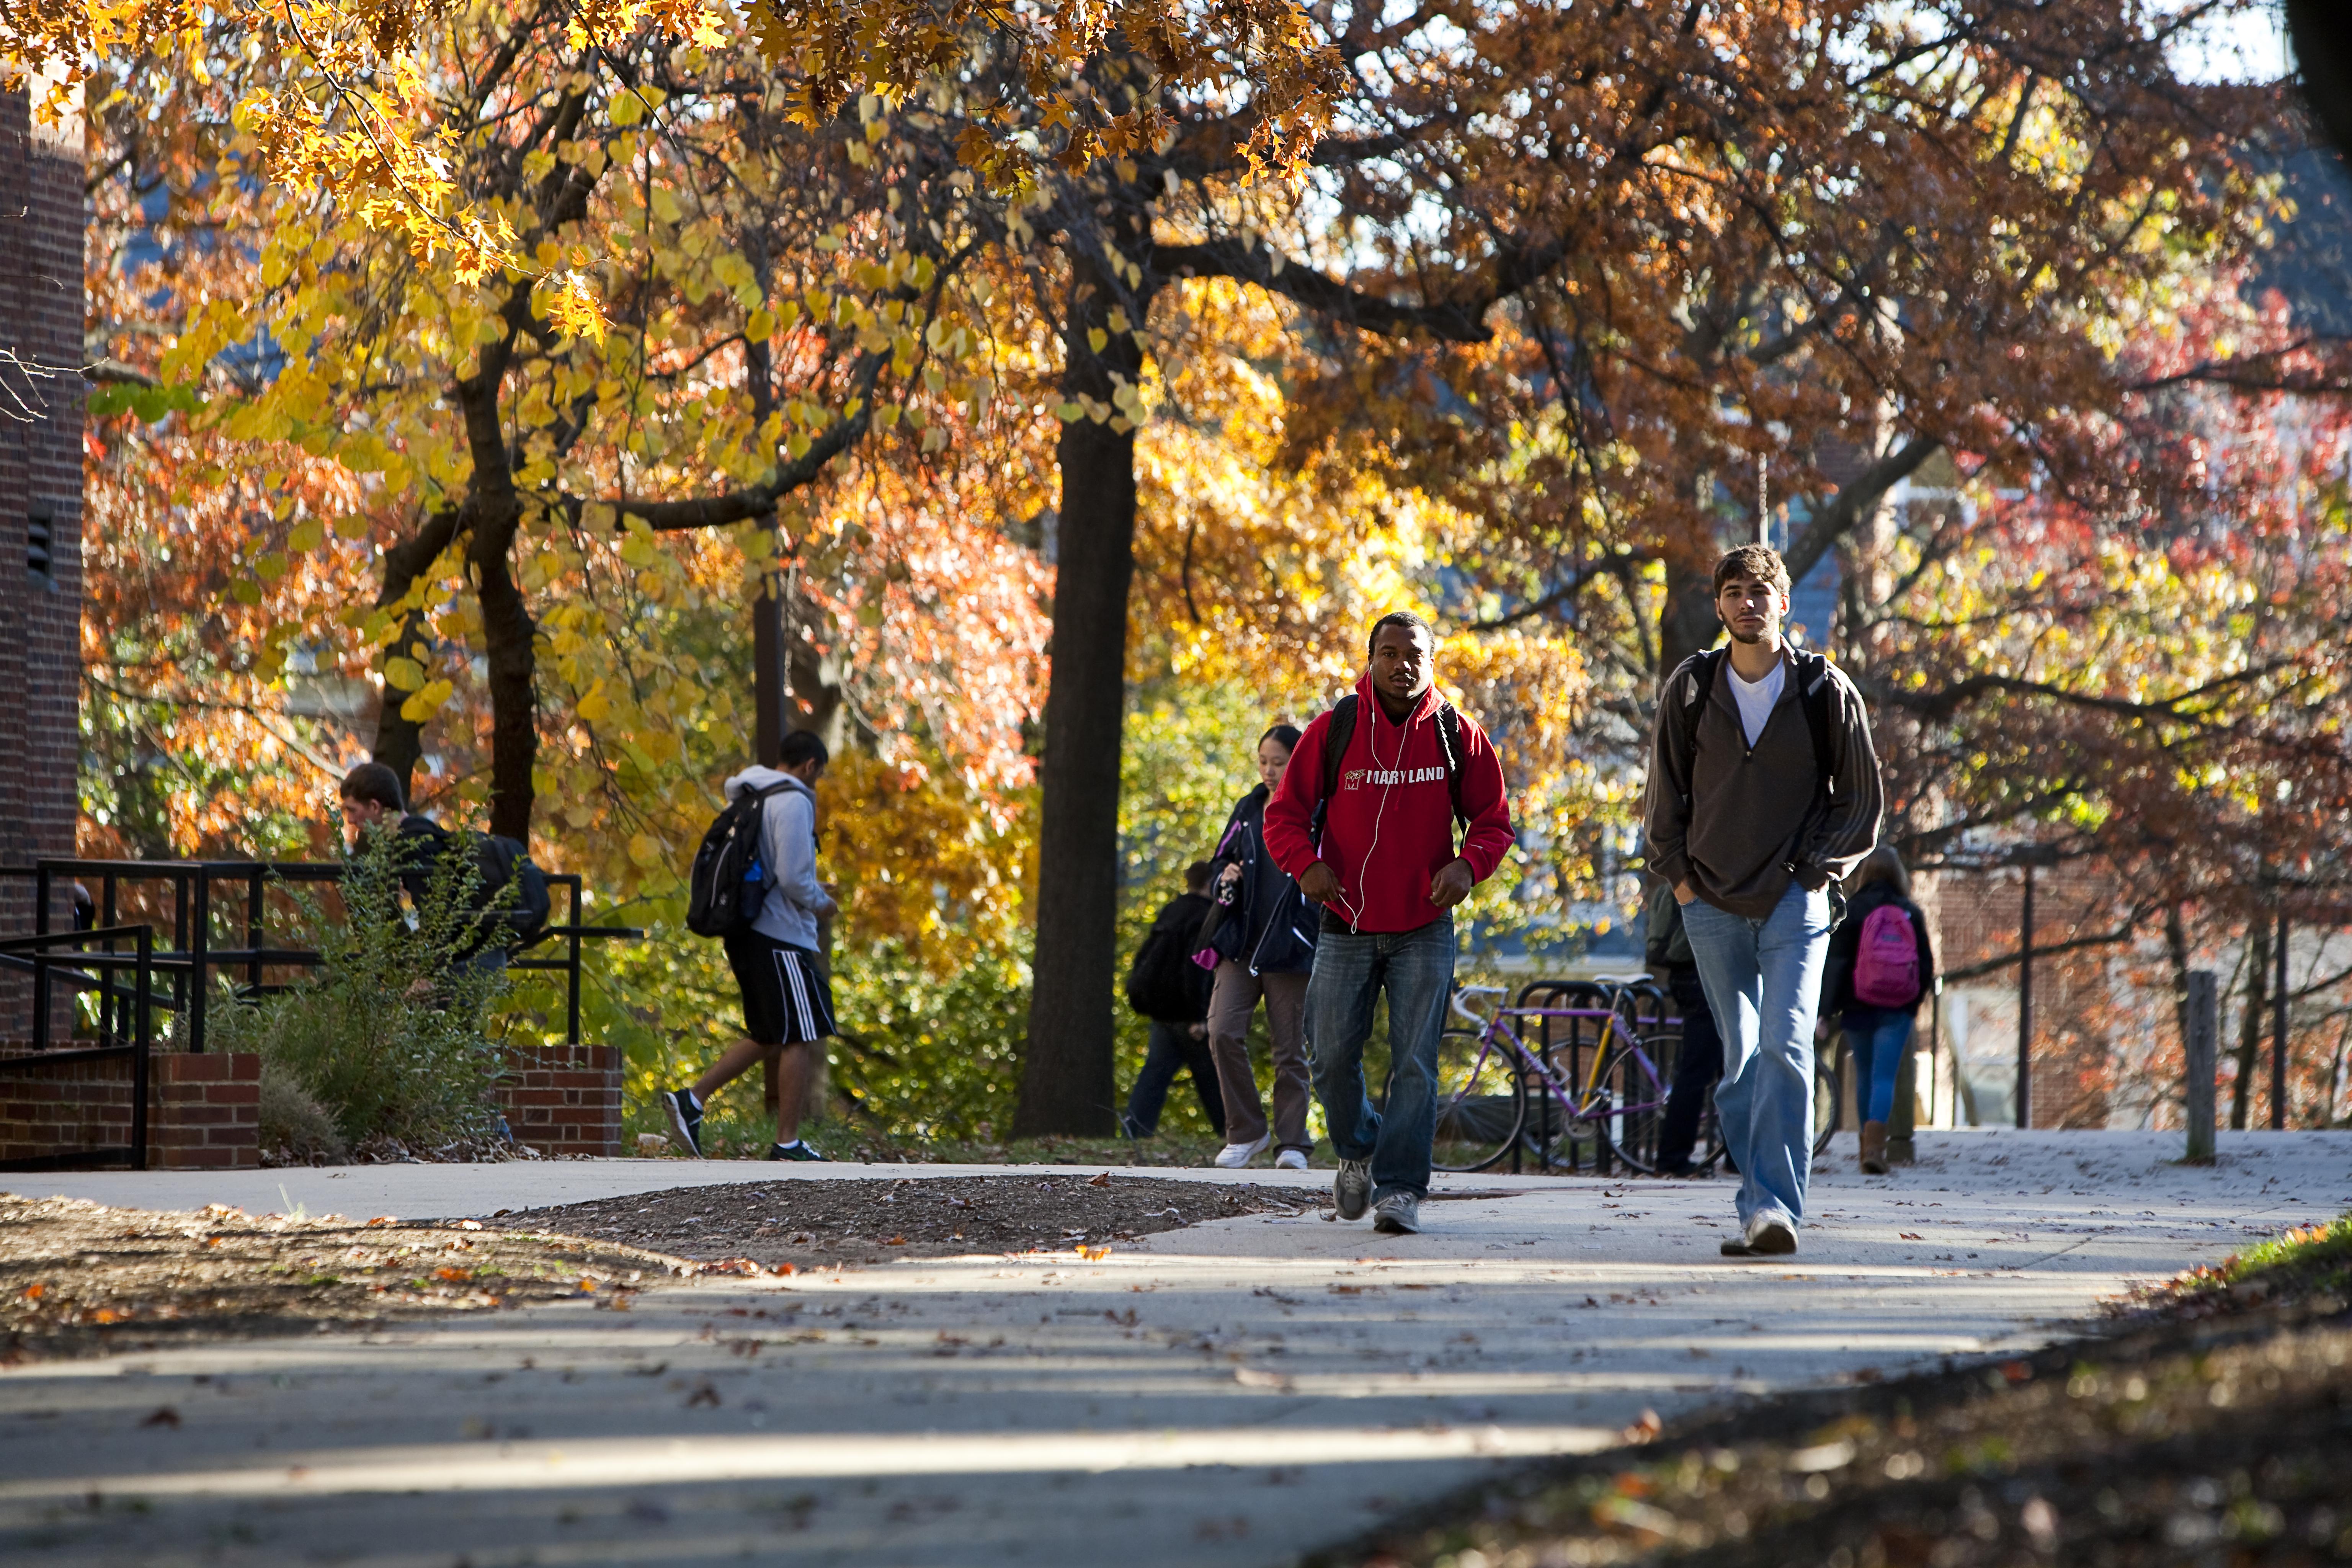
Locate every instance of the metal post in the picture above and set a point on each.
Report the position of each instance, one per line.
(141, 1041)
(41, 959)
(253, 929)
(2025, 1005)
(2204, 1034)
(572, 1005)
(200, 925)
(2278, 1032)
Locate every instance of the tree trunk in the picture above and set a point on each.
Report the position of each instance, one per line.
(399, 741)
(2250, 1025)
(1066, 1074)
(1688, 623)
(509, 637)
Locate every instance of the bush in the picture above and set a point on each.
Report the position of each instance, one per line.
(387, 1040)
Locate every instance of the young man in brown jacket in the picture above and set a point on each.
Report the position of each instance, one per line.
(1763, 790)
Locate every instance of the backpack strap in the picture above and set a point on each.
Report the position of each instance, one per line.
(1336, 737)
(1701, 668)
(1813, 696)
(1449, 741)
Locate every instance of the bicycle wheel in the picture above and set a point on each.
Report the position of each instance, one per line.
(1482, 1101)
(1828, 1101)
(1666, 1050)
(1629, 1104)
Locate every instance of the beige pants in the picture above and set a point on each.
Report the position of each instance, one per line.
(1230, 1007)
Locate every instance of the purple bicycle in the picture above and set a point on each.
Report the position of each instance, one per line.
(1485, 1072)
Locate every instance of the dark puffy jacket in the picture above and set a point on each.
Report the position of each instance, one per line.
(1845, 946)
(1273, 925)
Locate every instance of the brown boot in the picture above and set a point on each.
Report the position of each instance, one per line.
(1874, 1148)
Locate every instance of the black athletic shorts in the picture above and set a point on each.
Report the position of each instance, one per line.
(787, 999)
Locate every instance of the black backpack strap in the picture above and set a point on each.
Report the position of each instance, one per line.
(1336, 736)
(1702, 669)
(1449, 741)
(1813, 694)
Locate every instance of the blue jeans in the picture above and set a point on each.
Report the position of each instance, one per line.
(1878, 1036)
(1416, 969)
(1763, 982)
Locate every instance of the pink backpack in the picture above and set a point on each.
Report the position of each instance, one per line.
(1886, 961)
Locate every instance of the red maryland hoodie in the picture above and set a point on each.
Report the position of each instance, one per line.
(1390, 825)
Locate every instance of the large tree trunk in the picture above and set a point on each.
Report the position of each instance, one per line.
(510, 636)
(1688, 623)
(1066, 1078)
(399, 741)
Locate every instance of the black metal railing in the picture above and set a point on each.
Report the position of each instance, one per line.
(195, 908)
(133, 1040)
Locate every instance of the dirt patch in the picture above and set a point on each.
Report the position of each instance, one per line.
(80, 1278)
(2218, 1434)
(810, 1222)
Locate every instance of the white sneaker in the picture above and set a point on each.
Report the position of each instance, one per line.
(1771, 1235)
(1291, 1160)
(1233, 1156)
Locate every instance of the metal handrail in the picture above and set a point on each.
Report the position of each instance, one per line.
(192, 955)
(139, 1019)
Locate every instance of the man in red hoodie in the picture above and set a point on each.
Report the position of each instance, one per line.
(1368, 832)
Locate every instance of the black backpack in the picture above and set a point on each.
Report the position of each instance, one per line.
(499, 863)
(728, 881)
(1812, 696)
(1343, 730)
(1163, 982)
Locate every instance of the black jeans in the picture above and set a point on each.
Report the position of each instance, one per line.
(1696, 1070)
(1174, 1046)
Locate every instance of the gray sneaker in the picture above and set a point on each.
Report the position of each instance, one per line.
(1351, 1189)
(1771, 1235)
(1399, 1213)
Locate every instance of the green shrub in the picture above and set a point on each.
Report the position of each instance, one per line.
(388, 1037)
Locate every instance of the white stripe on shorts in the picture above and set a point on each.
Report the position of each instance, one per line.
(788, 969)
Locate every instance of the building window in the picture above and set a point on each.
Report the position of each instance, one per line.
(40, 537)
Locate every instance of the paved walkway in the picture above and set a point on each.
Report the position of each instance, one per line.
(1229, 1394)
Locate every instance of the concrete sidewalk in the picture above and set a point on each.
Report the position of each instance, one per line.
(1232, 1393)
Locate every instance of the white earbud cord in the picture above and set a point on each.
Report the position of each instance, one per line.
(1372, 746)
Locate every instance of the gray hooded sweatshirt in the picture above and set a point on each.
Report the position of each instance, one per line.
(795, 900)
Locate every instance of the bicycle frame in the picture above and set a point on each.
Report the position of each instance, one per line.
(1587, 1105)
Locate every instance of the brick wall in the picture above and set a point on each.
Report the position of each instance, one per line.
(41, 401)
(565, 1100)
(204, 1112)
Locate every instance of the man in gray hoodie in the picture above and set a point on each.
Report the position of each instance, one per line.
(1763, 791)
(787, 996)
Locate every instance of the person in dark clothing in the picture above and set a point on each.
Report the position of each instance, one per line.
(372, 801)
(1178, 1042)
(1263, 946)
(1878, 976)
(1700, 1061)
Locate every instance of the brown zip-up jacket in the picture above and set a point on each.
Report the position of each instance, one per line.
(1740, 824)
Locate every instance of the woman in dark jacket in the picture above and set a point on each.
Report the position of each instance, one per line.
(1265, 945)
(1877, 987)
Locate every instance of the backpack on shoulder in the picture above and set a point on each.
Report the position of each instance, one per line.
(1165, 983)
(500, 863)
(1342, 731)
(1812, 675)
(728, 881)
(1886, 959)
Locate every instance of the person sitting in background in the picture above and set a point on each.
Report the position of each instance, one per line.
(1166, 987)
(1881, 968)
(1263, 946)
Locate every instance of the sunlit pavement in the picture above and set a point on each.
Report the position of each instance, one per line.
(1232, 1393)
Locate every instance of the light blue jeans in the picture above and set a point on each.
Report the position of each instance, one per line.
(1763, 981)
(1878, 1036)
(1416, 969)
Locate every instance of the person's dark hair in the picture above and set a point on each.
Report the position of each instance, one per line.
(1286, 733)
(802, 746)
(376, 784)
(1760, 562)
(1883, 865)
(1196, 876)
(1406, 618)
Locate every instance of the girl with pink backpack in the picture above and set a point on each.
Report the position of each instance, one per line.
(1880, 969)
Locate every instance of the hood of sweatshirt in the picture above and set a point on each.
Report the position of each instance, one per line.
(754, 779)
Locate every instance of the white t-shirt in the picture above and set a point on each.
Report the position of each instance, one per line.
(1756, 698)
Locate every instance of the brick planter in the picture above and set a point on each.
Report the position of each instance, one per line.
(204, 1112)
(565, 1100)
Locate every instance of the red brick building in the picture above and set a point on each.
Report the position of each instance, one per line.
(41, 400)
